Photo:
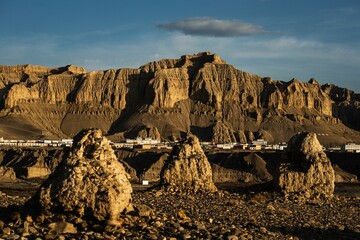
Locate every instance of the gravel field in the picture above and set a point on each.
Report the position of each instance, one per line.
(235, 212)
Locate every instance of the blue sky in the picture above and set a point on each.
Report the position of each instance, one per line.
(278, 38)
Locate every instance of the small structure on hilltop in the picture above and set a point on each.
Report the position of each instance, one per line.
(90, 182)
(308, 173)
(187, 170)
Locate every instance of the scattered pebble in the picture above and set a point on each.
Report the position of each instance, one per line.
(210, 216)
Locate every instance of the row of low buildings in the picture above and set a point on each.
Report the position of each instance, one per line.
(142, 143)
(146, 144)
(256, 145)
(262, 145)
(350, 147)
(149, 143)
(36, 143)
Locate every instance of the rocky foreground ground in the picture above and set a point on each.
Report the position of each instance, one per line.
(239, 213)
(89, 196)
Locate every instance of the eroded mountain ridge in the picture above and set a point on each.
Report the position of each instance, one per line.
(198, 93)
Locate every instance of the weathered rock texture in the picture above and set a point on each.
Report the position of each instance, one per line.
(152, 173)
(31, 162)
(342, 176)
(7, 174)
(174, 96)
(36, 172)
(258, 167)
(222, 134)
(151, 132)
(222, 175)
(308, 173)
(240, 167)
(90, 182)
(347, 104)
(242, 137)
(187, 170)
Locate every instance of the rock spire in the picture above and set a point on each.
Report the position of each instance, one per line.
(188, 170)
(90, 182)
(308, 173)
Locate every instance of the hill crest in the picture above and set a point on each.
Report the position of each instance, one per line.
(175, 96)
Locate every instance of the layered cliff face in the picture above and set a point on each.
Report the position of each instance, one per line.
(189, 94)
(347, 104)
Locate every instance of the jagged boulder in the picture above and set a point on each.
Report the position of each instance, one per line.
(308, 173)
(90, 182)
(187, 170)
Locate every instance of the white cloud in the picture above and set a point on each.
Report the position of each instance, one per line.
(205, 26)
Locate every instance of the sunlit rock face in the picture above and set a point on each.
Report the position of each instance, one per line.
(90, 182)
(164, 99)
(308, 173)
(187, 169)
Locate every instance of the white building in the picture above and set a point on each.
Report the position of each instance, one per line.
(123, 145)
(351, 147)
(260, 142)
(66, 142)
(225, 146)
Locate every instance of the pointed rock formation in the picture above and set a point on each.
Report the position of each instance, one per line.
(258, 167)
(150, 132)
(242, 137)
(308, 173)
(188, 170)
(142, 133)
(90, 182)
(154, 133)
(262, 134)
(250, 136)
(222, 134)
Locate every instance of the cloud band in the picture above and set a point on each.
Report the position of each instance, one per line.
(205, 26)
